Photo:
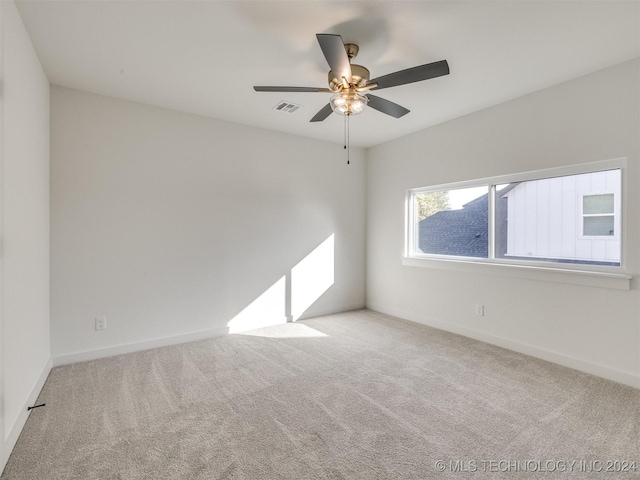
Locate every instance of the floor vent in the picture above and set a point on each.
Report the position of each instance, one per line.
(287, 107)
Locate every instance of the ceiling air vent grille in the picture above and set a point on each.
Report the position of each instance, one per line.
(287, 107)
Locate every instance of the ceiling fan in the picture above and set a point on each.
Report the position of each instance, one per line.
(349, 83)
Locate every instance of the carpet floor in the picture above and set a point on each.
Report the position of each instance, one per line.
(358, 395)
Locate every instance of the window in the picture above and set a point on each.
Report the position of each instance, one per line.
(570, 215)
(598, 215)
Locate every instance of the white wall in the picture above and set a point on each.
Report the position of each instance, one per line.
(25, 226)
(591, 118)
(172, 225)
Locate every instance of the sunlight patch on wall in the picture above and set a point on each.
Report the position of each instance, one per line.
(266, 310)
(311, 277)
(290, 330)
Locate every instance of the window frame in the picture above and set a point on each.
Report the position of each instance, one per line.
(412, 258)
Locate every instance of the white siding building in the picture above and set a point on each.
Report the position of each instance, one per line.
(570, 218)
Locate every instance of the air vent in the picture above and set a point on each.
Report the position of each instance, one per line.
(287, 107)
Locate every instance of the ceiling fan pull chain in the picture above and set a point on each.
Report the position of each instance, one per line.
(346, 136)
(348, 140)
(345, 132)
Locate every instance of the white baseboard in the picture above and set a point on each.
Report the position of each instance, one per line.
(18, 425)
(87, 355)
(620, 376)
(137, 346)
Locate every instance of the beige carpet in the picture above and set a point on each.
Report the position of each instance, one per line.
(358, 395)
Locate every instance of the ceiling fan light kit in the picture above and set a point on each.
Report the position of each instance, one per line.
(351, 103)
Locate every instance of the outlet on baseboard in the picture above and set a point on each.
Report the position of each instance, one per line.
(479, 310)
(101, 323)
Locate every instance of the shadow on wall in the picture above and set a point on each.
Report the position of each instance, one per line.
(292, 294)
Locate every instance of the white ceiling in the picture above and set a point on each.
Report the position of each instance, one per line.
(204, 57)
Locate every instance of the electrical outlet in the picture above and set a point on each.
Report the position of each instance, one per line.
(101, 323)
(479, 310)
(336, 291)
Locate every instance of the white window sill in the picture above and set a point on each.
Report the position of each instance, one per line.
(619, 281)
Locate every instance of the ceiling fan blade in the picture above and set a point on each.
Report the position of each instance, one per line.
(290, 89)
(410, 75)
(322, 114)
(333, 49)
(386, 106)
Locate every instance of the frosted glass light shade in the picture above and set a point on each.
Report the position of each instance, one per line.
(348, 103)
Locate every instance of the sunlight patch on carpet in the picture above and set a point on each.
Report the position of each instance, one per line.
(290, 330)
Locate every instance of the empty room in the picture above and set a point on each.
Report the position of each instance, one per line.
(319, 239)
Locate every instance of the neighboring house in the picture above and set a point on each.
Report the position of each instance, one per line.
(569, 219)
(574, 218)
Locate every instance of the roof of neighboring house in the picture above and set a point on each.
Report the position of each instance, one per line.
(503, 191)
(457, 232)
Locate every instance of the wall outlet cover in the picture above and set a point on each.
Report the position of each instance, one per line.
(101, 323)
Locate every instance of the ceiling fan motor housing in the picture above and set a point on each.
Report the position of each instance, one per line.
(359, 77)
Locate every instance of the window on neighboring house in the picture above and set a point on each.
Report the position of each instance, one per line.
(536, 217)
(598, 215)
